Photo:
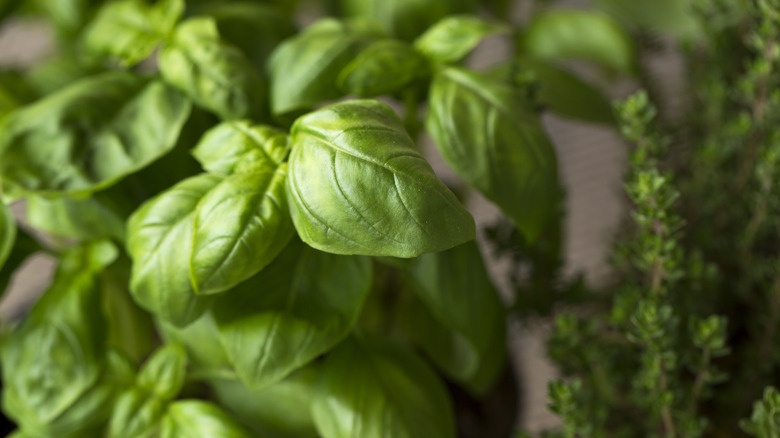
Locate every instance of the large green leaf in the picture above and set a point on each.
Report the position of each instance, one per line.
(89, 135)
(384, 67)
(86, 218)
(489, 133)
(131, 30)
(406, 19)
(253, 27)
(215, 74)
(283, 410)
(303, 69)
(452, 38)
(200, 419)
(297, 308)
(358, 185)
(575, 34)
(7, 233)
(52, 366)
(456, 291)
(240, 226)
(159, 240)
(371, 388)
(235, 146)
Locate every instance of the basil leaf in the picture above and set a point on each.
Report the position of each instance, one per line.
(456, 289)
(131, 29)
(136, 415)
(297, 308)
(281, 410)
(233, 146)
(89, 135)
(304, 68)
(58, 72)
(452, 38)
(357, 185)
(384, 67)
(566, 94)
(86, 218)
(68, 16)
(673, 17)
(372, 388)
(240, 226)
(574, 34)
(406, 19)
(491, 136)
(158, 234)
(254, 28)
(200, 339)
(52, 366)
(163, 374)
(200, 419)
(216, 75)
(7, 233)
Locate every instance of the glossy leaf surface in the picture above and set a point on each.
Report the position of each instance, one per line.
(297, 308)
(235, 146)
(371, 388)
(357, 185)
(89, 135)
(489, 133)
(200, 419)
(215, 74)
(136, 415)
(163, 374)
(86, 218)
(384, 67)
(452, 38)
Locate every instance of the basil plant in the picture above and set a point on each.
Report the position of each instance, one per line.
(249, 244)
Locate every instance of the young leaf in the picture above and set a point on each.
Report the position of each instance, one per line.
(158, 234)
(490, 135)
(7, 233)
(253, 27)
(357, 185)
(384, 67)
(136, 415)
(89, 135)
(240, 226)
(371, 388)
(304, 69)
(574, 34)
(216, 75)
(455, 288)
(86, 218)
(200, 419)
(131, 29)
(201, 340)
(406, 19)
(452, 38)
(297, 308)
(281, 410)
(163, 374)
(233, 146)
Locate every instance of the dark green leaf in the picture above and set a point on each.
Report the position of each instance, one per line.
(452, 38)
(7, 233)
(86, 218)
(489, 133)
(297, 308)
(456, 291)
(136, 415)
(253, 27)
(240, 226)
(15, 91)
(130, 30)
(200, 419)
(234, 146)
(163, 374)
(406, 19)
(158, 234)
(215, 74)
(280, 411)
(358, 185)
(576, 34)
(384, 67)
(304, 69)
(371, 388)
(89, 135)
